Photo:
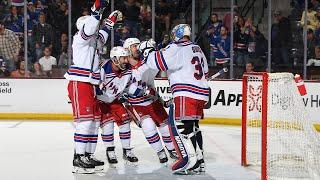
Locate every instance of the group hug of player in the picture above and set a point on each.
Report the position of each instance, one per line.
(121, 89)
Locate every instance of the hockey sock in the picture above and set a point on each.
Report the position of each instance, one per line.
(93, 137)
(199, 135)
(107, 134)
(164, 130)
(81, 136)
(125, 135)
(151, 134)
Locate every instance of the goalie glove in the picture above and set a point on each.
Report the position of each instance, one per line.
(113, 18)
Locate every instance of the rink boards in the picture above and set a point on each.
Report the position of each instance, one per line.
(48, 99)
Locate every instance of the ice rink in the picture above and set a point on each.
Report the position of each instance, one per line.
(44, 150)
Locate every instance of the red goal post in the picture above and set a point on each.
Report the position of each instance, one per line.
(278, 136)
(264, 92)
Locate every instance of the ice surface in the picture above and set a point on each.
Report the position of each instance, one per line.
(44, 150)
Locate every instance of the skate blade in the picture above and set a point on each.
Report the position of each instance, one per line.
(185, 172)
(164, 164)
(198, 171)
(99, 168)
(113, 166)
(78, 170)
(202, 170)
(132, 164)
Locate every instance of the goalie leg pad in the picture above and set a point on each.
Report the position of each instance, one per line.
(182, 136)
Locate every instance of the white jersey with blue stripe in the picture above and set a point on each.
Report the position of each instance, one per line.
(187, 68)
(114, 83)
(142, 78)
(83, 48)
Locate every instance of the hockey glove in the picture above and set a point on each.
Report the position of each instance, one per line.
(146, 47)
(98, 90)
(99, 4)
(113, 18)
(123, 98)
(166, 104)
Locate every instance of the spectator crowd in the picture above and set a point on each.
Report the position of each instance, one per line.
(250, 45)
(47, 37)
(47, 23)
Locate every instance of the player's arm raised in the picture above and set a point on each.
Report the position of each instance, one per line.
(108, 24)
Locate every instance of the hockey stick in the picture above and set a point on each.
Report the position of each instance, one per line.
(130, 109)
(222, 71)
(96, 41)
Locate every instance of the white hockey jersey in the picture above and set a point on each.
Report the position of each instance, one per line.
(113, 83)
(83, 51)
(142, 78)
(186, 66)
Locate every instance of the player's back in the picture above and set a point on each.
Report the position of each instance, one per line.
(187, 76)
(186, 66)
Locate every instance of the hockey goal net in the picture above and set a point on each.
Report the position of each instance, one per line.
(277, 135)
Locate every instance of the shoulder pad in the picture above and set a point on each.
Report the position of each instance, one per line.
(106, 66)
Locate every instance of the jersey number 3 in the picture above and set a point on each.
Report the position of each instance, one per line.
(198, 66)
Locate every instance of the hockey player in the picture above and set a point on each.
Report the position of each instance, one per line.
(150, 111)
(82, 76)
(186, 67)
(115, 77)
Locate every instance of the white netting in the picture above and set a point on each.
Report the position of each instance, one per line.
(293, 144)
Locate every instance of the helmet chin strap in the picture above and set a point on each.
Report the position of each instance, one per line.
(118, 64)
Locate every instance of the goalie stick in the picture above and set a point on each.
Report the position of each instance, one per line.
(167, 103)
(222, 71)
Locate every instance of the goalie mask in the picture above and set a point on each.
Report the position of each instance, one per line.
(118, 55)
(131, 44)
(146, 47)
(179, 31)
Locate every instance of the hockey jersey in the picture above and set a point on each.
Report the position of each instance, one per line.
(142, 79)
(221, 49)
(83, 48)
(186, 66)
(112, 83)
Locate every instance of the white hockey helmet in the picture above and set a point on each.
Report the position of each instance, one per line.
(116, 53)
(130, 41)
(145, 47)
(179, 31)
(81, 21)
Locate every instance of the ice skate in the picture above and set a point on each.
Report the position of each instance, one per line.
(198, 168)
(129, 157)
(173, 154)
(99, 165)
(81, 165)
(184, 172)
(163, 157)
(202, 169)
(111, 156)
